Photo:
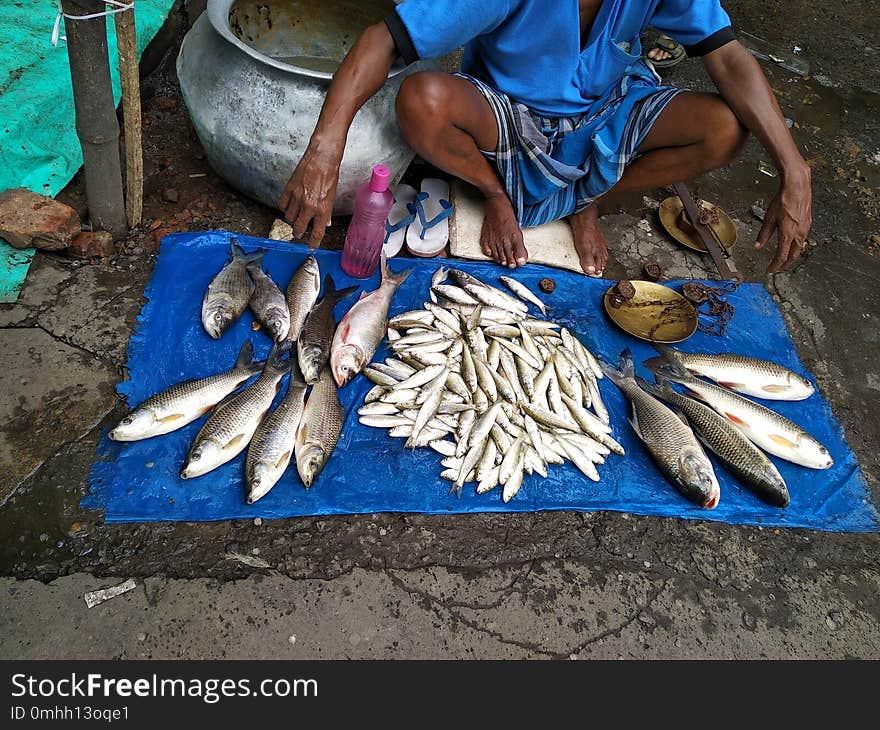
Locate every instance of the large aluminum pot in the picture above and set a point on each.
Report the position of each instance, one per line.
(254, 75)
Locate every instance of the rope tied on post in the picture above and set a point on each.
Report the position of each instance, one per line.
(118, 7)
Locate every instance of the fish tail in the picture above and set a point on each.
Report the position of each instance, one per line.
(652, 388)
(239, 253)
(627, 367)
(245, 359)
(669, 365)
(296, 376)
(331, 293)
(275, 359)
(395, 278)
(619, 376)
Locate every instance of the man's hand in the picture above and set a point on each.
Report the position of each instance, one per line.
(309, 195)
(790, 216)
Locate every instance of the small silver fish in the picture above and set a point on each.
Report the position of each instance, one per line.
(523, 292)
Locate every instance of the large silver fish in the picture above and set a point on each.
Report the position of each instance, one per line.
(768, 429)
(229, 292)
(316, 336)
(319, 429)
(271, 447)
(362, 328)
(268, 303)
(186, 401)
(741, 457)
(669, 440)
(302, 293)
(229, 428)
(748, 375)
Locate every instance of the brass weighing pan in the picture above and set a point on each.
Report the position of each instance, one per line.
(655, 313)
(725, 230)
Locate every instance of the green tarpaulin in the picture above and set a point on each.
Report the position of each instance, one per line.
(39, 149)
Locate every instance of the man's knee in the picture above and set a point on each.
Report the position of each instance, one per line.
(422, 99)
(726, 135)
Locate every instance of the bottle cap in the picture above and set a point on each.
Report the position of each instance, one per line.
(379, 180)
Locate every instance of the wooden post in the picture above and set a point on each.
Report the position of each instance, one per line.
(96, 124)
(126, 44)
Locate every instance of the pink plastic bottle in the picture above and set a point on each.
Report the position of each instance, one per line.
(366, 232)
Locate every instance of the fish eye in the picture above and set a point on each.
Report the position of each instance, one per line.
(823, 450)
(128, 420)
(196, 456)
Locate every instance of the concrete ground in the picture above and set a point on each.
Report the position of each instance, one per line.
(407, 586)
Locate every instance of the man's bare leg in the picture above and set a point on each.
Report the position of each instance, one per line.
(695, 133)
(448, 121)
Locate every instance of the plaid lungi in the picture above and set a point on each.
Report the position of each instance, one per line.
(552, 167)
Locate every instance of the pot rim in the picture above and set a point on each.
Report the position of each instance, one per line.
(218, 14)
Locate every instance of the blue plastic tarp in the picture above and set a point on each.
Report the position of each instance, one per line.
(372, 472)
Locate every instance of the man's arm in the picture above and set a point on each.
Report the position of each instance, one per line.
(745, 88)
(309, 196)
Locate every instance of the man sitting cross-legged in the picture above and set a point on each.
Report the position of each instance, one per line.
(554, 110)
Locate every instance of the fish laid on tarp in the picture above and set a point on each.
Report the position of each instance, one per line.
(301, 295)
(747, 375)
(474, 368)
(741, 457)
(271, 447)
(186, 401)
(229, 292)
(768, 429)
(523, 292)
(229, 428)
(363, 327)
(319, 429)
(670, 441)
(316, 336)
(268, 303)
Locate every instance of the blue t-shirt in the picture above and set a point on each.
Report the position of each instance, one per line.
(531, 49)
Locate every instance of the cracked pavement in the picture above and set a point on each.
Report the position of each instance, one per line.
(546, 585)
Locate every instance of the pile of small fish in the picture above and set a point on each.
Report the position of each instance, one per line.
(732, 426)
(303, 427)
(497, 392)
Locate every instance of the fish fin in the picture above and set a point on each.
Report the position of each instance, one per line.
(239, 253)
(296, 376)
(395, 278)
(329, 287)
(736, 421)
(236, 440)
(729, 384)
(627, 368)
(614, 375)
(652, 388)
(782, 441)
(245, 359)
(656, 364)
(174, 417)
(284, 460)
(275, 359)
(340, 294)
(774, 388)
(634, 422)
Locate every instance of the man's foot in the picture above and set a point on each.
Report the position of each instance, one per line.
(589, 241)
(501, 237)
